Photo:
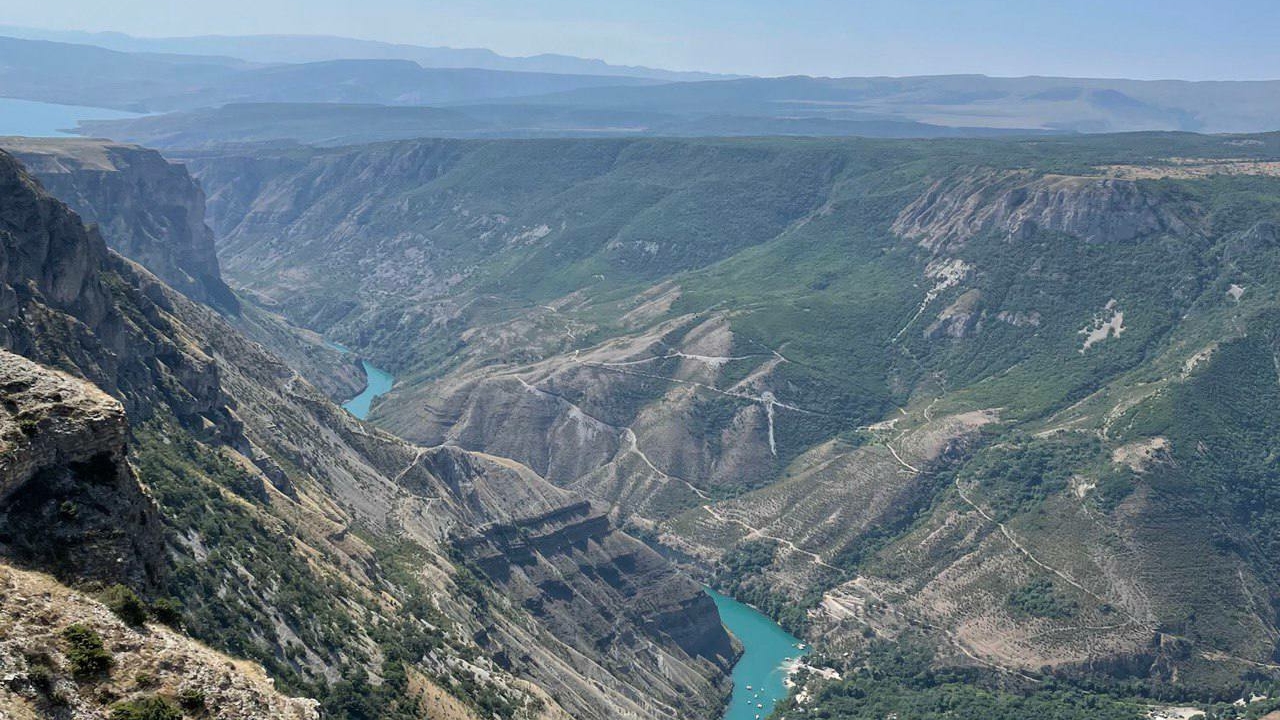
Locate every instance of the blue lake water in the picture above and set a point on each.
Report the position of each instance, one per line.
(760, 675)
(37, 119)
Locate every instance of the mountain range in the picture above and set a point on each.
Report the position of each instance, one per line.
(272, 49)
(331, 93)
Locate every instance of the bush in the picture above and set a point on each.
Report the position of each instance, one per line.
(40, 671)
(167, 611)
(1039, 598)
(85, 651)
(150, 708)
(124, 603)
(191, 700)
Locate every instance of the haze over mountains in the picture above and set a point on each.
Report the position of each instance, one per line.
(331, 91)
(317, 48)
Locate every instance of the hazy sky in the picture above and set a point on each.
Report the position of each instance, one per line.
(1191, 39)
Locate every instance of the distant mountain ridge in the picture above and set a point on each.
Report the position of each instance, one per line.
(335, 124)
(309, 102)
(1048, 103)
(317, 48)
(73, 74)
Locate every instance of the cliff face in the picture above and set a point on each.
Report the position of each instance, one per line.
(70, 303)
(553, 563)
(69, 502)
(148, 209)
(1017, 204)
(151, 211)
(255, 471)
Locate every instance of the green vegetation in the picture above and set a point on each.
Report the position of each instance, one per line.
(865, 698)
(41, 671)
(1040, 598)
(85, 652)
(899, 679)
(197, 488)
(740, 574)
(1223, 427)
(125, 603)
(168, 611)
(149, 708)
(191, 700)
(1019, 473)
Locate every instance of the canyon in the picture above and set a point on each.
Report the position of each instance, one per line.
(1002, 408)
(347, 545)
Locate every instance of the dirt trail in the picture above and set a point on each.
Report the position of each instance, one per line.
(902, 462)
(739, 395)
(767, 399)
(1130, 619)
(1008, 535)
(715, 361)
(417, 458)
(628, 436)
(756, 532)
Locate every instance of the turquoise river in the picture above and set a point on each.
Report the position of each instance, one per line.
(377, 382)
(759, 677)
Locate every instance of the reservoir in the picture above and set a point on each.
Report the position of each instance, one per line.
(37, 119)
(767, 652)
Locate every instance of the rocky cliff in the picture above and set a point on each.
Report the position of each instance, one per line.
(69, 502)
(148, 209)
(152, 664)
(573, 570)
(1018, 204)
